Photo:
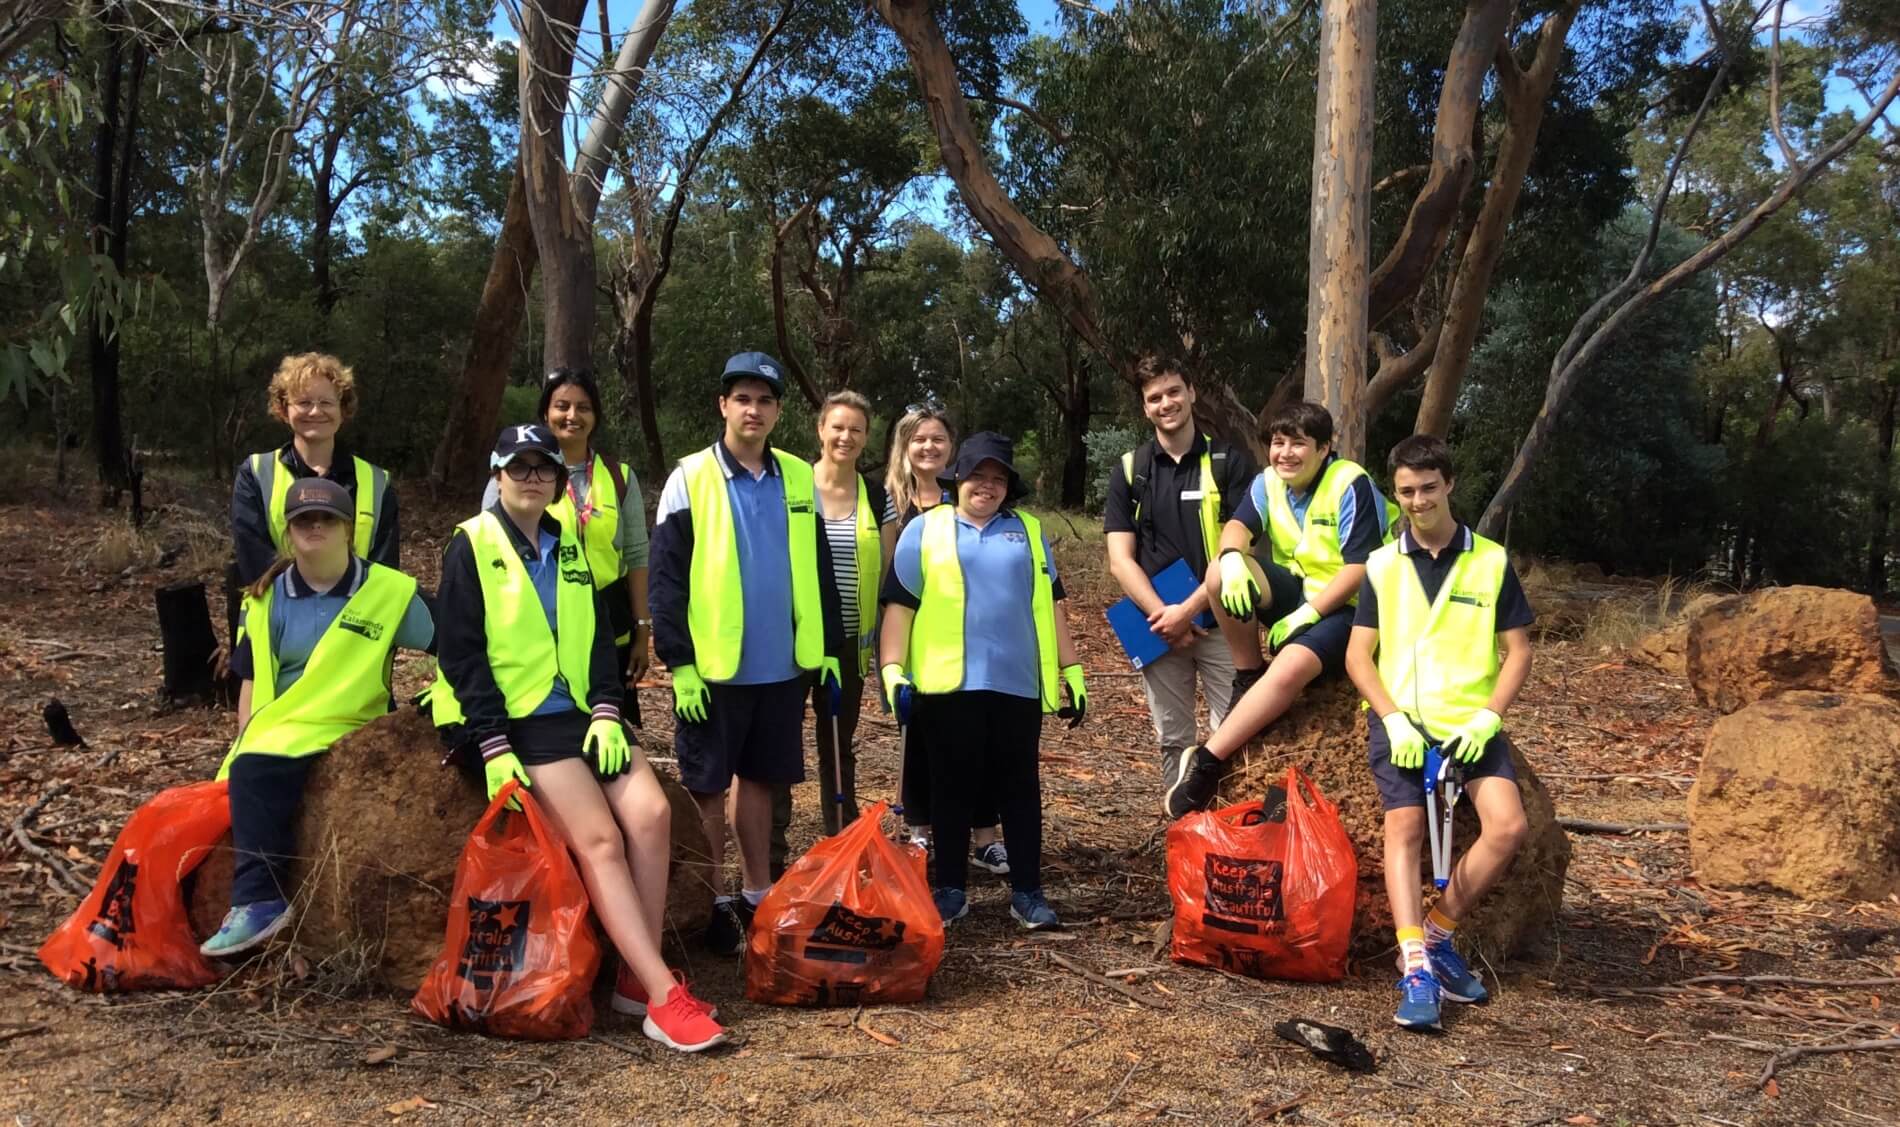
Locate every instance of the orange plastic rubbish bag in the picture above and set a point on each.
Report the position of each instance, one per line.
(850, 922)
(520, 956)
(133, 932)
(1265, 899)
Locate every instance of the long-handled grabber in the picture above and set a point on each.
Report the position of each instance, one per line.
(1444, 785)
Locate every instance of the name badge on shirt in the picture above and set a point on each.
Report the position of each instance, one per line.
(1193, 494)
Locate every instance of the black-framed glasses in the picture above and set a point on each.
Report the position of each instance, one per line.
(539, 471)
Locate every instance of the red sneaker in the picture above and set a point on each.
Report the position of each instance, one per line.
(630, 997)
(681, 1022)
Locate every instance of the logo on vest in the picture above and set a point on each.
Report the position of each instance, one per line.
(1470, 598)
(497, 941)
(357, 624)
(114, 921)
(569, 553)
(576, 575)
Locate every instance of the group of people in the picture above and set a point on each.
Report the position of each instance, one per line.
(769, 582)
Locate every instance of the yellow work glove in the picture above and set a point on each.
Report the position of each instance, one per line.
(1238, 588)
(689, 695)
(831, 682)
(1284, 630)
(606, 745)
(899, 694)
(1470, 740)
(1078, 693)
(500, 768)
(1408, 747)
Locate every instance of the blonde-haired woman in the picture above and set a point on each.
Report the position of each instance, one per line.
(313, 394)
(922, 447)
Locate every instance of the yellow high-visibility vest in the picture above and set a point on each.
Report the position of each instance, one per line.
(1439, 659)
(936, 632)
(273, 484)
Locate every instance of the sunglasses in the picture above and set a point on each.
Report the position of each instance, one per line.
(540, 471)
(931, 406)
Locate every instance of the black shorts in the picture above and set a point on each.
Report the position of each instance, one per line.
(1400, 787)
(753, 732)
(539, 740)
(1327, 638)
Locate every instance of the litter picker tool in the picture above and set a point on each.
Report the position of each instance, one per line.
(1444, 785)
(837, 755)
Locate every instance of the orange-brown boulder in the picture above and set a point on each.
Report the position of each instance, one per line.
(379, 837)
(1786, 639)
(1801, 793)
(1325, 735)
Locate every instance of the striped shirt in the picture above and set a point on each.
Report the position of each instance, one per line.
(842, 537)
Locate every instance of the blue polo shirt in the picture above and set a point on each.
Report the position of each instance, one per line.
(999, 627)
(1362, 513)
(300, 614)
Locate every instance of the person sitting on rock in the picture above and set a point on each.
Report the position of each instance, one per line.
(1435, 606)
(530, 683)
(1321, 516)
(313, 653)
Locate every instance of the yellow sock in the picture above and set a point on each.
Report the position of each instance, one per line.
(1439, 926)
(1411, 949)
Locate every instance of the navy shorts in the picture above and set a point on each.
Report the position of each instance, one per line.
(1327, 638)
(754, 732)
(539, 740)
(1400, 787)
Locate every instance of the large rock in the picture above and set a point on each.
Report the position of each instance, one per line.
(1801, 793)
(380, 835)
(1325, 735)
(1667, 649)
(1785, 639)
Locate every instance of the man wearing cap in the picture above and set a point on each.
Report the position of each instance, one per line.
(973, 651)
(737, 618)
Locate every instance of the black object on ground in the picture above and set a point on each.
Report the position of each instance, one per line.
(1328, 1043)
(60, 726)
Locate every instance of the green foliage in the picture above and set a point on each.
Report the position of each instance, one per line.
(1106, 447)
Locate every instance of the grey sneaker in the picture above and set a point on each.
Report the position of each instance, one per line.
(992, 857)
(247, 927)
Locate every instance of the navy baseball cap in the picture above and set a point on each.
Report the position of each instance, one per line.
(754, 366)
(318, 495)
(518, 440)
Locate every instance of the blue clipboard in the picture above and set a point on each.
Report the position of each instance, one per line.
(1175, 584)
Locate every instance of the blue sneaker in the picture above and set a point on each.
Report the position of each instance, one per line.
(1457, 982)
(1032, 911)
(952, 905)
(1418, 1009)
(245, 927)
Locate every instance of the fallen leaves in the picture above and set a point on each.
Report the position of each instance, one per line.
(381, 1054)
(403, 1107)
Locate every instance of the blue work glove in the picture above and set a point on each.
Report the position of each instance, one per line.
(1408, 747)
(899, 694)
(1284, 630)
(500, 768)
(1078, 693)
(831, 679)
(1238, 588)
(1467, 744)
(689, 695)
(606, 745)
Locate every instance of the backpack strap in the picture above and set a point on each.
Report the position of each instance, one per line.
(618, 472)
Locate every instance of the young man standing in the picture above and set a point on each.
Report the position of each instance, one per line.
(1435, 607)
(1321, 516)
(736, 617)
(1167, 501)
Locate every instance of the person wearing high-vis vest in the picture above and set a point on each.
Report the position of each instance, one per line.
(313, 656)
(1291, 560)
(1436, 606)
(603, 496)
(314, 395)
(528, 689)
(1167, 501)
(974, 651)
(738, 619)
(852, 560)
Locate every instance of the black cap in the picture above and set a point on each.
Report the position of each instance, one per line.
(319, 495)
(988, 446)
(754, 366)
(517, 440)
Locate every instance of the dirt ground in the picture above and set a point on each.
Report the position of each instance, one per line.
(1605, 1024)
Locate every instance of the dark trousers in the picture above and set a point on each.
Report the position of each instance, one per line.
(918, 786)
(982, 748)
(853, 698)
(266, 793)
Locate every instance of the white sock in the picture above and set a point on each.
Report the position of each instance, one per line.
(753, 895)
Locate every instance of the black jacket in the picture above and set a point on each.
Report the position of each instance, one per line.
(250, 520)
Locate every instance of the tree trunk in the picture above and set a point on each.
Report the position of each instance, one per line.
(114, 149)
(1336, 292)
(1075, 429)
(1428, 224)
(1883, 496)
(1039, 260)
(1524, 94)
(563, 234)
(468, 432)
